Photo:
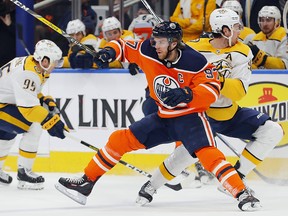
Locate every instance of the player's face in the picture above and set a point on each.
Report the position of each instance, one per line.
(77, 36)
(113, 34)
(161, 45)
(46, 63)
(237, 28)
(266, 24)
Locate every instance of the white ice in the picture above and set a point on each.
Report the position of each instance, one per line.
(115, 195)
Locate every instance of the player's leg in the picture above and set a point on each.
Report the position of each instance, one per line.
(28, 148)
(140, 135)
(6, 142)
(11, 124)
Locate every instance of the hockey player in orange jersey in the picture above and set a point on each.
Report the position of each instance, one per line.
(183, 84)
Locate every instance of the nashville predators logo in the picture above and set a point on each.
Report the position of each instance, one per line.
(223, 66)
(270, 98)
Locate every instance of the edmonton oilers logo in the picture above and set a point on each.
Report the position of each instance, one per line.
(164, 83)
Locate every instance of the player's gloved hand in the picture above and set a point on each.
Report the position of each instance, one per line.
(178, 95)
(133, 69)
(54, 125)
(104, 57)
(79, 60)
(259, 56)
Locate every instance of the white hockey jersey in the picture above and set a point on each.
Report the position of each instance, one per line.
(234, 63)
(20, 84)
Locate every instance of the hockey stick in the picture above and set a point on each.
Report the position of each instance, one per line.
(54, 27)
(176, 187)
(150, 10)
(20, 37)
(284, 16)
(281, 182)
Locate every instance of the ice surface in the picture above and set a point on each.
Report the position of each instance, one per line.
(115, 195)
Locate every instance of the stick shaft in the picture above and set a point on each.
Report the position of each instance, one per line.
(54, 27)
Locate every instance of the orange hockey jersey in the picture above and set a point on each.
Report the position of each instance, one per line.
(190, 69)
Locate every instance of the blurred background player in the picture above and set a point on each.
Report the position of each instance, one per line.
(112, 30)
(78, 58)
(143, 25)
(246, 34)
(193, 17)
(21, 81)
(233, 62)
(269, 46)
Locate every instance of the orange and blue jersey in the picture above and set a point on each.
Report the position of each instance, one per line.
(190, 69)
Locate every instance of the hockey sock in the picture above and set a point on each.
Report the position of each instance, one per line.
(214, 161)
(119, 143)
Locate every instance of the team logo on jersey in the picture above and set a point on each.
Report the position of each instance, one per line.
(164, 83)
(223, 66)
(270, 98)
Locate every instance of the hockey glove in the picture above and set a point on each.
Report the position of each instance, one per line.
(54, 126)
(49, 104)
(81, 60)
(260, 56)
(133, 69)
(178, 95)
(104, 57)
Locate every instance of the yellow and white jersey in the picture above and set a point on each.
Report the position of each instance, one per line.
(246, 35)
(274, 46)
(20, 82)
(234, 63)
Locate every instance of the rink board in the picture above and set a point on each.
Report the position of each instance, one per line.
(95, 103)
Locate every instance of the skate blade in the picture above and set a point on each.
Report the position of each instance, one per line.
(141, 201)
(78, 197)
(22, 185)
(4, 184)
(251, 207)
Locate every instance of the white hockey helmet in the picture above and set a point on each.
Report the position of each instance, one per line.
(75, 26)
(233, 5)
(223, 17)
(143, 18)
(46, 48)
(270, 11)
(111, 23)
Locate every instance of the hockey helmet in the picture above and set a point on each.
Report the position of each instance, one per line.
(46, 48)
(111, 23)
(75, 26)
(223, 17)
(271, 12)
(233, 5)
(167, 29)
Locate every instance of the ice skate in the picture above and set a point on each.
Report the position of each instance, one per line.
(205, 176)
(77, 189)
(145, 194)
(247, 202)
(29, 180)
(5, 179)
(189, 180)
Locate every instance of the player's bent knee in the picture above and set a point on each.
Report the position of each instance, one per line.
(210, 157)
(123, 141)
(270, 133)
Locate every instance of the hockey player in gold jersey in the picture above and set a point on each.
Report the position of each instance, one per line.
(233, 61)
(269, 46)
(78, 58)
(22, 110)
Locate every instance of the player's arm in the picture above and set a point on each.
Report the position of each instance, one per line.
(206, 88)
(26, 87)
(235, 86)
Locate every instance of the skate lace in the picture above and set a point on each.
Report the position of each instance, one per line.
(30, 173)
(149, 188)
(4, 175)
(76, 180)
